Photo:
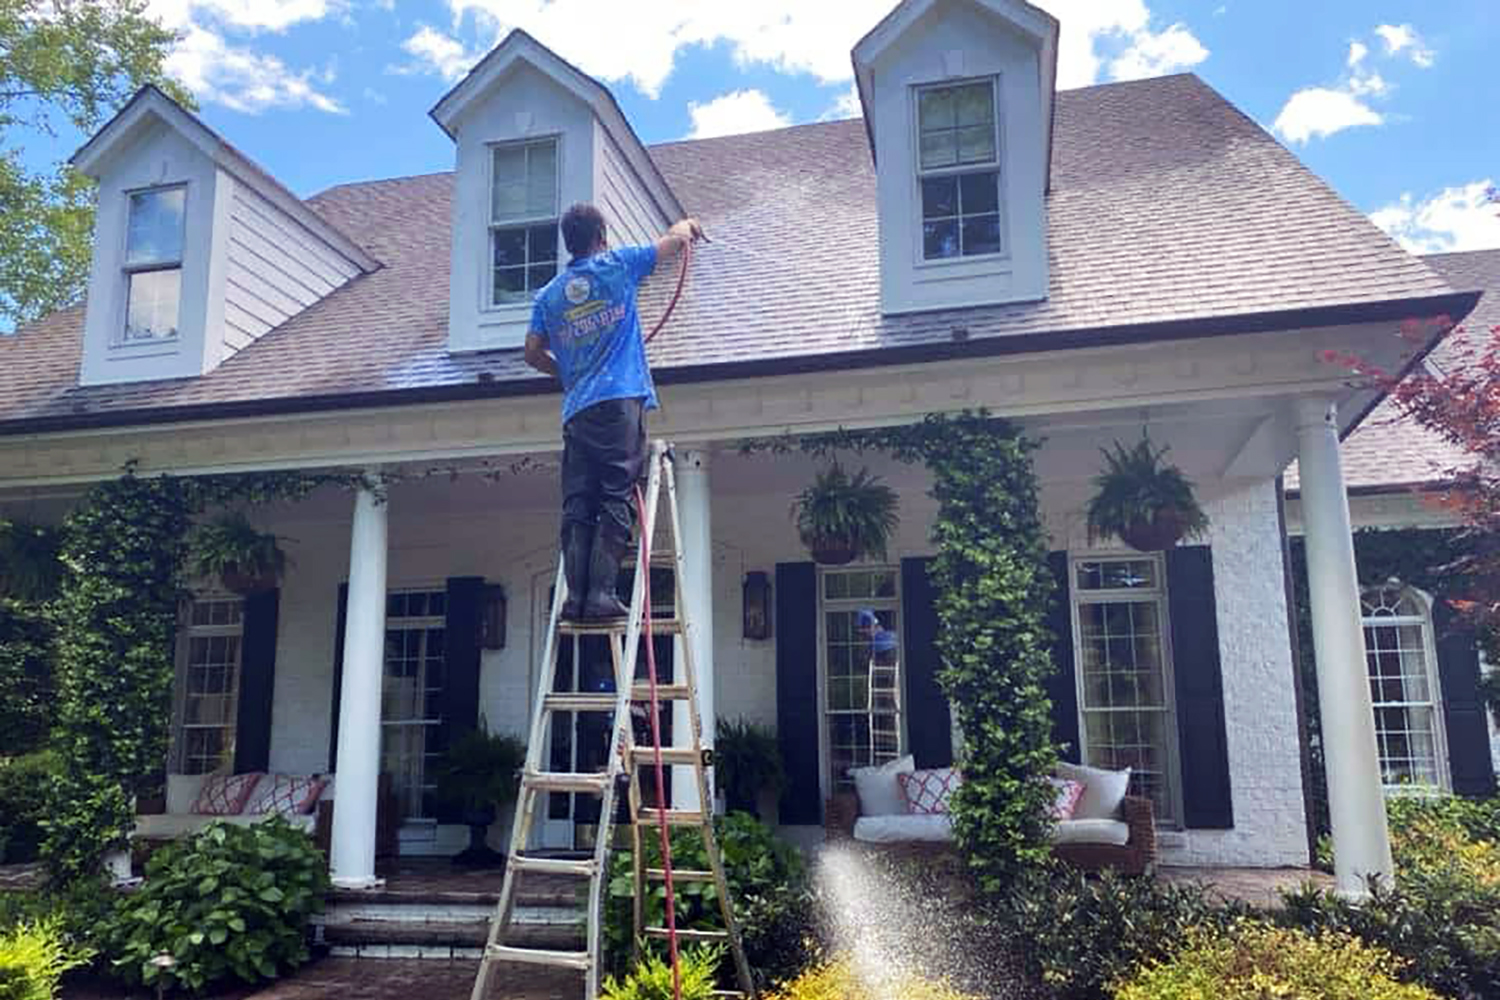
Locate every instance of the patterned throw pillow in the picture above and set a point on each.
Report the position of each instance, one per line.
(287, 794)
(929, 792)
(1068, 794)
(225, 794)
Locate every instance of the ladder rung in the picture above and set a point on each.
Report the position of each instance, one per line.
(669, 755)
(571, 702)
(619, 626)
(686, 935)
(679, 875)
(664, 692)
(566, 781)
(672, 817)
(539, 956)
(553, 866)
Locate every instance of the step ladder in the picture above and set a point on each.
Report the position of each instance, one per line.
(624, 761)
(883, 694)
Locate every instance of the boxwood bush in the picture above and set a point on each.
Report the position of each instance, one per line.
(25, 783)
(232, 902)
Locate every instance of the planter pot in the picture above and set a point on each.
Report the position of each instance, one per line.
(832, 551)
(1163, 531)
(244, 583)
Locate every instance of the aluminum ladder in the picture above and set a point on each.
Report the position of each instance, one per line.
(537, 782)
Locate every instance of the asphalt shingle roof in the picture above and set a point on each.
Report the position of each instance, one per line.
(1167, 204)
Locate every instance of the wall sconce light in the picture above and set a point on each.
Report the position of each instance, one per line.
(757, 594)
(492, 618)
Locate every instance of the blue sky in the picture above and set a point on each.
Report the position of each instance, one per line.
(1395, 103)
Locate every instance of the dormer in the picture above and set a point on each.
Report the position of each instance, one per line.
(534, 135)
(197, 251)
(957, 98)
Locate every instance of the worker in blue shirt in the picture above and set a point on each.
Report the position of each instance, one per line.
(585, 332)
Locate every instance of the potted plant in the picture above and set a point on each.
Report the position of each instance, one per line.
(480, 772)
(1146, 504)
(30, 560)
(842, 517)
(747, 762)
(245, 560)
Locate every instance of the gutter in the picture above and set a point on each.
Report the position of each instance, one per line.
(1454, 304)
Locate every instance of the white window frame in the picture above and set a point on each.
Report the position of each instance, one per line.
(1077, 597)
(487, 301)
(1423, 623)
(919, 174)
(825, 754)
(186, 633)
(129, 271)
(421, 623)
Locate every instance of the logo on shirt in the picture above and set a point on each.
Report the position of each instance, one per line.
(577, 290)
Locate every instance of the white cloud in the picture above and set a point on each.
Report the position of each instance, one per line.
(243, 15)
(1403, 38)
(1368, 84)
(1357, 53)
(1318, 112)
(847, 106)
(1455, 218)
(438, 53)
(639, 43)
(734, 113)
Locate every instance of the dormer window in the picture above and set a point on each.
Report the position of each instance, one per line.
(523, 220)
(153, 264)
(958, 169)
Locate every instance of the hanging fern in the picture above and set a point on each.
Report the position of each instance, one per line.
(1136, 490)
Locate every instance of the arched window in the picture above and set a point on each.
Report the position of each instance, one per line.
(1404, 686)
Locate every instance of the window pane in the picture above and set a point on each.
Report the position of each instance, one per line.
(509, 179)
(939, 197)
(976, 104)
(152, 296)
(940, 239)
(937, 108)
(939, 149)
(542, 241)
(976, 144)
(541, 179)
(154, 232)
(981, 193)
(981, 235)
(510, 284)
(510, 247)
(538, 275)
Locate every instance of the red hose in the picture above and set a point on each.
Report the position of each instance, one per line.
(661, 781)
(682, 270)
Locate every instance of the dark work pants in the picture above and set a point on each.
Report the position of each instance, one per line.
(604, 452)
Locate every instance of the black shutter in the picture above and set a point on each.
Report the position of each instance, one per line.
(1469, 761)
(341, 620)
(797, 691)
(928, 725)
(1062, 688)
(461, 658)
(1203, 743)
(252, 726)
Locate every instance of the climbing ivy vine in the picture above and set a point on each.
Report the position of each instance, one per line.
(993, 587)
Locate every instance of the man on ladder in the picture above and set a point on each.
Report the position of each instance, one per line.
(585, 332)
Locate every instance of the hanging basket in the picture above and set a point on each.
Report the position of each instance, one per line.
(1162, 532)
(238, 581)
(833, 551)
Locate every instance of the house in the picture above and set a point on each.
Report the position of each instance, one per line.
(1432, 728)
(1088, 263)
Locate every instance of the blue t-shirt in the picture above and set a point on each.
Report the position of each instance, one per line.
(588, 315)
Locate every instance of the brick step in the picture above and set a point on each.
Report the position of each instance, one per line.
(437, 935)
(532, 890)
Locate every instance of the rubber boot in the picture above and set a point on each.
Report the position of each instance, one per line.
(577, 547)
(610, 546)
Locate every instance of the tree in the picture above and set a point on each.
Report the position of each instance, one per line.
(63, 63)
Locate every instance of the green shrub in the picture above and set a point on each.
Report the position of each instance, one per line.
(33, 958)
(840, 980)
(25, 784)
(767, 883)
(232, 901)
(651, 979)
(1479, 819)
(1252, 961)
(1078, 933)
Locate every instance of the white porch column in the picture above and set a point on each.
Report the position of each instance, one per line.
(697, 594)
(355, 784)
(1356, 800)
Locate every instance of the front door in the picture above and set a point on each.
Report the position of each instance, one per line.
(411, 706)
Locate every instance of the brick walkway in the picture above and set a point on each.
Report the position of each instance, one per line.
(1260, 887)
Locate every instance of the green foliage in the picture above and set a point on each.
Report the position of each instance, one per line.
(838, 510)
(65, 62)
(33, 958)
(26, 676)
(480, 770)
(230, 546)
(767, 883)
(1252, 961)
(233, 901)
(651, 979)
(1476, 819)
(30, 560)
(747, 762)
(1078, 933)
(842, 980)
(1136, 490)
(25, 784)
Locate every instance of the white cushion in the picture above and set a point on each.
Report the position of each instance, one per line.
(1091, 831)
(171, 826)
(182, 791)
(879, 789)
(1103, 791)
(931, 827)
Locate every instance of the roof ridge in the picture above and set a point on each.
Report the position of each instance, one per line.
(765, 131)
(377, 180)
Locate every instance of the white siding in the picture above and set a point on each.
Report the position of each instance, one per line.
(619, 193)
